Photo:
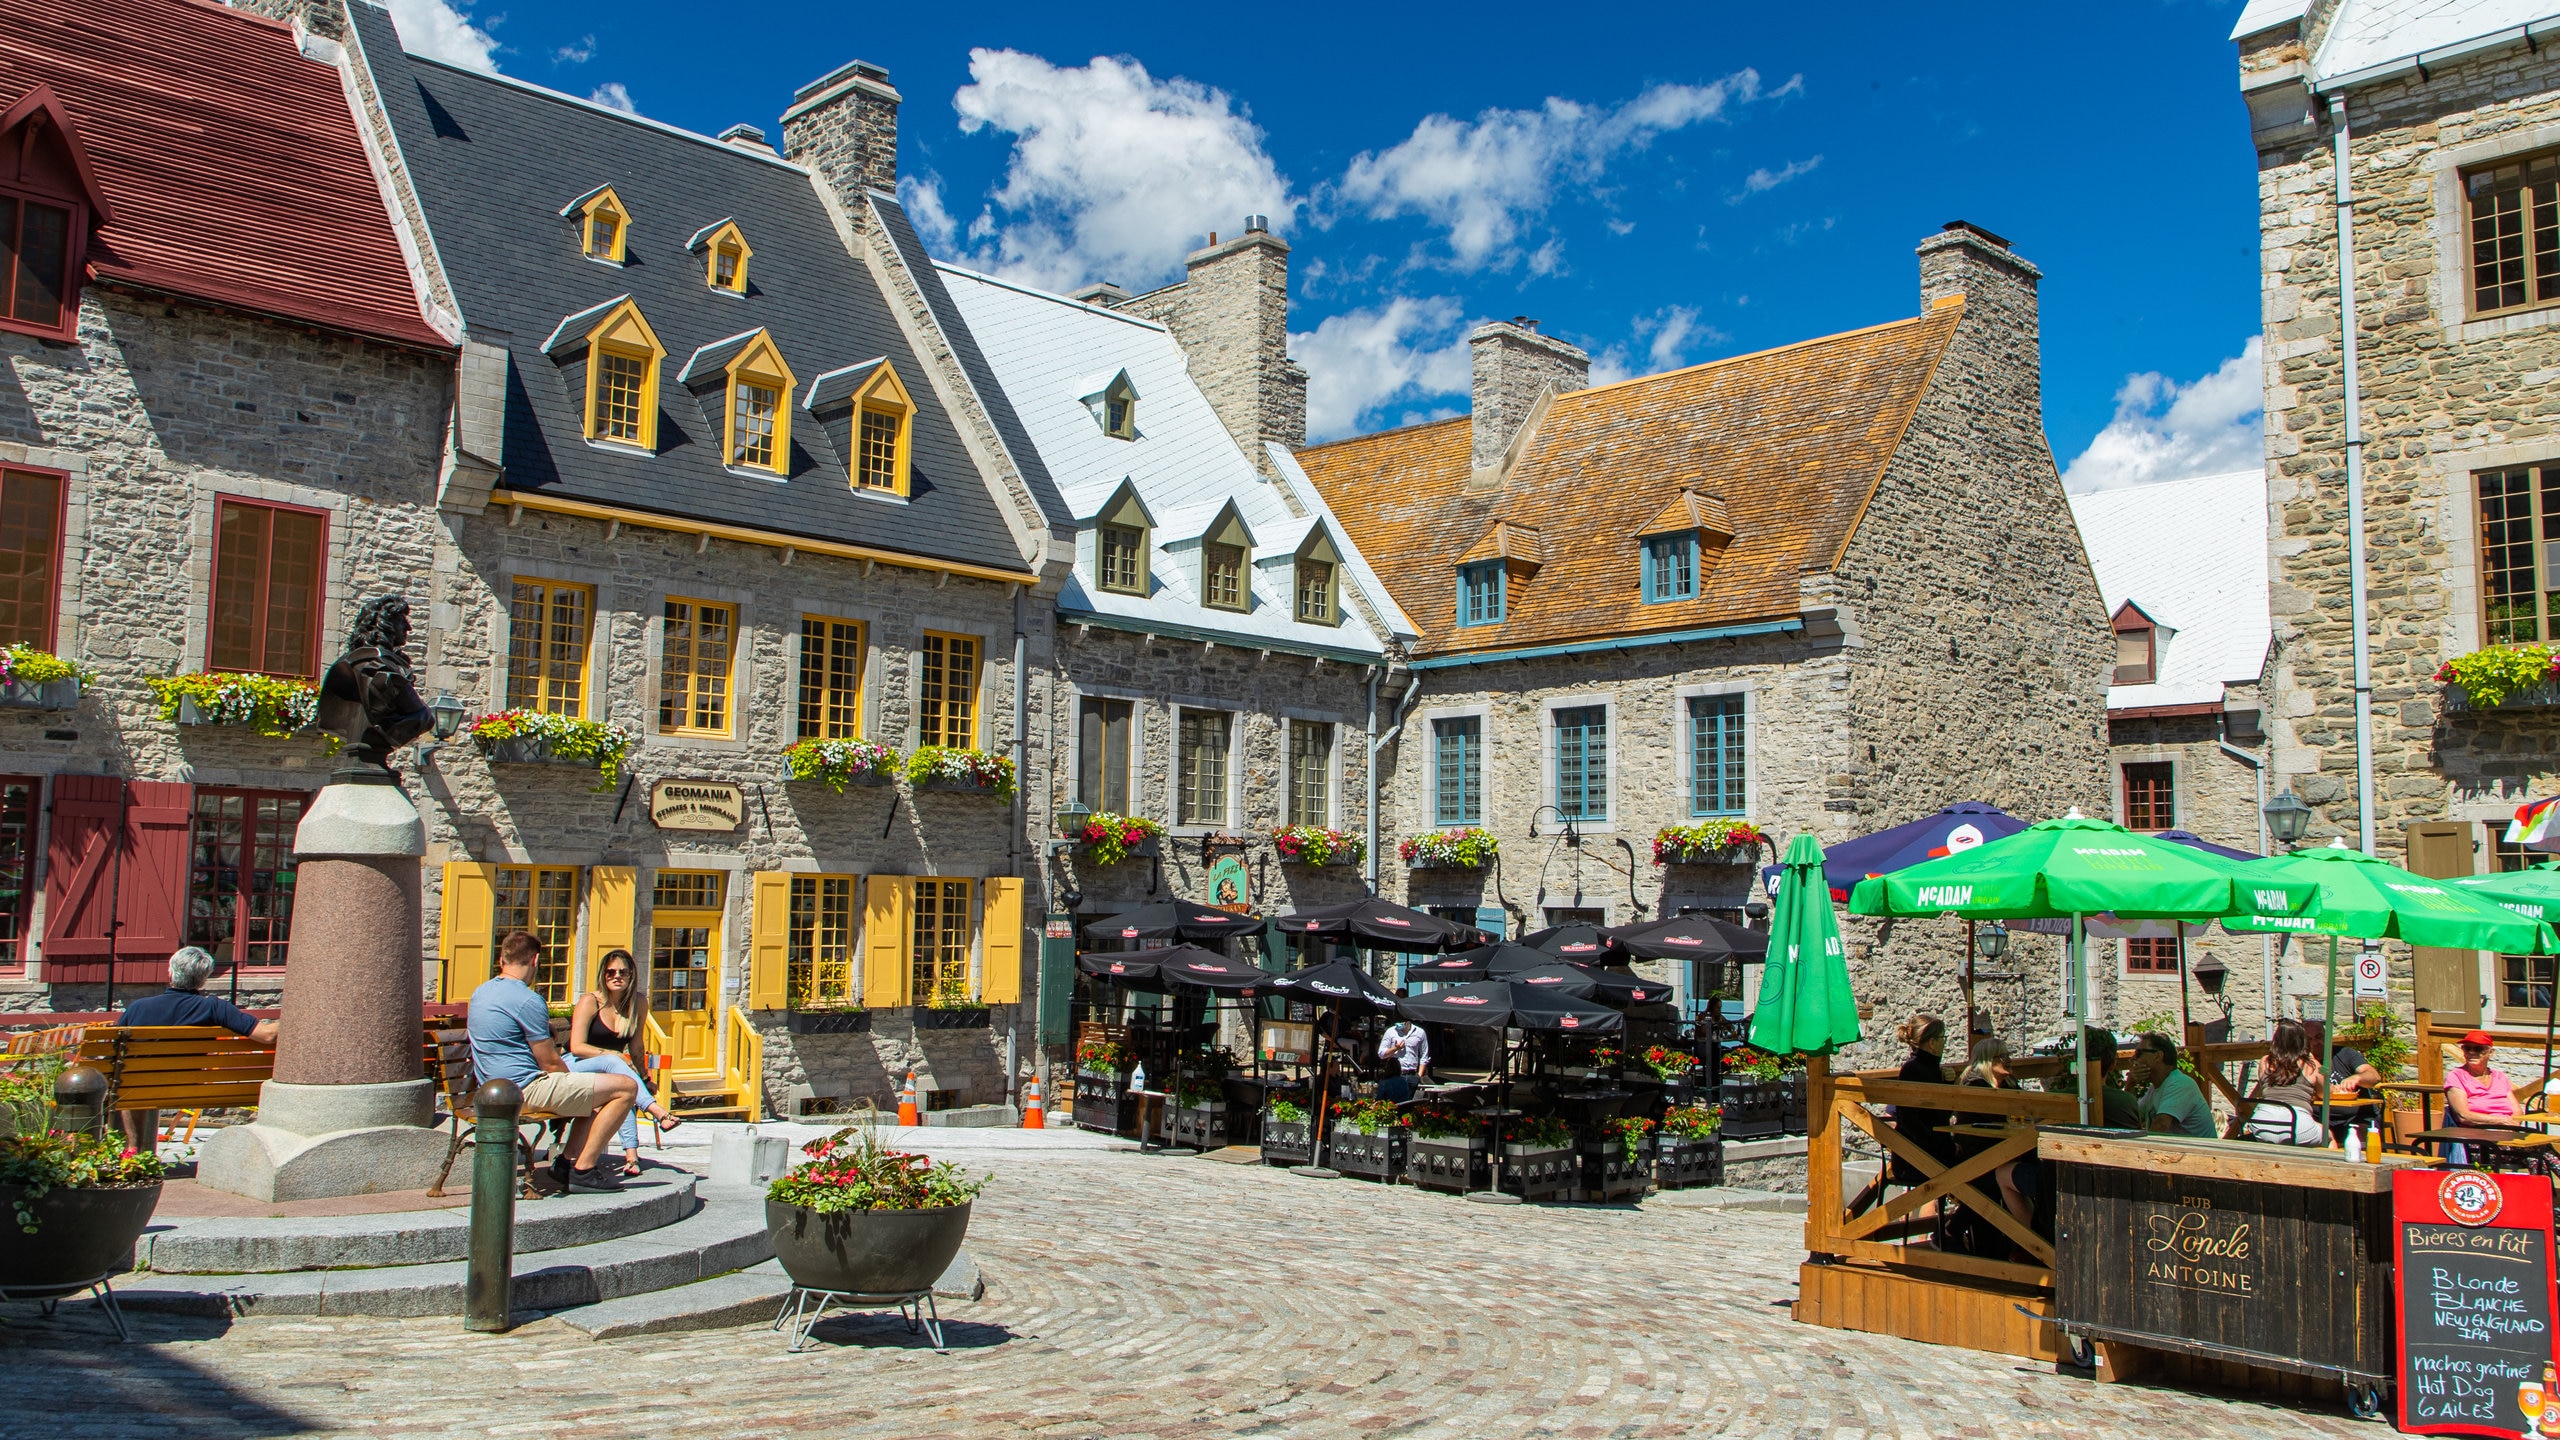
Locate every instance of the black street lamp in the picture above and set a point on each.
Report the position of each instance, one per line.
(2287, 819)
(1992, 941)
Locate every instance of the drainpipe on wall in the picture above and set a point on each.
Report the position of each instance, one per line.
(2266, 943)
(1378, 742)
(1019, 840)
(2355, 477)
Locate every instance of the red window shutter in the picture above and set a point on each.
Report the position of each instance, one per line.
(79, 877)
(151, 898)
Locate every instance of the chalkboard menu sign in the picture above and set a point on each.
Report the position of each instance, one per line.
(2476, 1303)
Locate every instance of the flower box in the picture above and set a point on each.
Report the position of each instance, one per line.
(47, 695)
(838, 764)
(1456, 1163)
(2458, 701)
(1541, 1172)
(961, 772)
(1200, 1127)
(958, 787)
(973, 1017)
(1147, 849)
(1318, 845)
(529, 737)
(1683, 1164)
(1727, 855)
(1607, 1173)
(829, 1022)
(1287, 1142)
(1791, 1105)
(1465, 849)
(1376, 1157)
(531, 750)
(1101, 1104)
(1753, 1109)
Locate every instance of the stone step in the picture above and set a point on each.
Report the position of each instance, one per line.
(273, 1244)
(726, 1234)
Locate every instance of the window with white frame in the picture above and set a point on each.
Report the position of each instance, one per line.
(1202, 774)
(1582, 761)
(1716, 755)
(1457, 762)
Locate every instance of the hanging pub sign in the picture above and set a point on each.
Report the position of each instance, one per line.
(1229, 888)
(2473, 1258)
(706, 805)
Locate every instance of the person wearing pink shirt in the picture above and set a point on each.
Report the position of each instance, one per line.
(2478, 1093)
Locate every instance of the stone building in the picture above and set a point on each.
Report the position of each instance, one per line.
(218, 437)
(727, 476)
(2450, 124)
(1828, 587)
(2183, 569)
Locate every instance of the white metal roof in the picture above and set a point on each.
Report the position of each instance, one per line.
(2373, 35)
(1047, 352)
(2259, 15)
(2192, 555)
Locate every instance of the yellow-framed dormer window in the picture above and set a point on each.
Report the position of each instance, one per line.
(604, 225)
(759, 415)
(884, 432)
(696, 651)
(725, 253)
(623, 356)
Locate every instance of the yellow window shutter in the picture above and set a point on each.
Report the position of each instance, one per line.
(1000, 942)
(612, 896)
(769, 965)
(470, 912)
(888, 905)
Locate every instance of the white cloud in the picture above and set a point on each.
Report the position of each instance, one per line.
(578, 54)
(613, 95)
(1765, 179)
(1115, 174)
(922, 197)
(442, 31)
(2165, 430)
(1667, 335)
(1482, 180)
(1409, 349)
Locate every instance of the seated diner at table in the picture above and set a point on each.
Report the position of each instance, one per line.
(1990, 1067)
(2284, 1109)
(2118, 1110)
(2477, 1092)
(2174, 1104)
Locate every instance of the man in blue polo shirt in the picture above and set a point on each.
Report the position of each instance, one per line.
(185, 1003)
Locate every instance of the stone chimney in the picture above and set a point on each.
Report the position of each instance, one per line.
(1515, 368)
(844, 126)
(1231, 315)
(325, 18)
(1999, 292)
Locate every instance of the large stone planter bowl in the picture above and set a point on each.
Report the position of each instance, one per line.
(865, 1252)
(82, 1237)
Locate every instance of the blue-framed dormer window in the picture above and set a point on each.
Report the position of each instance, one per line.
(1671, 567)
(1480, 594)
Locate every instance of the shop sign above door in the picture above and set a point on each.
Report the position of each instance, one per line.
(713, 805)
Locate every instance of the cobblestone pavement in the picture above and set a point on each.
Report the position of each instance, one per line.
(1146, 1296)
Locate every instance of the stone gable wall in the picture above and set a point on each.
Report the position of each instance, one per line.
(2217, 798)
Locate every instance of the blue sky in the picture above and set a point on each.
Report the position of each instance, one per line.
(1661, 184)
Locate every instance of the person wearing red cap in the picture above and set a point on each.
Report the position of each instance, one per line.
(2479, 1093)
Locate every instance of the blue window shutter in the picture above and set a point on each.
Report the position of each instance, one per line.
(1492, 919)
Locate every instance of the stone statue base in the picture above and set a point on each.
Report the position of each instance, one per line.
(316, 1142)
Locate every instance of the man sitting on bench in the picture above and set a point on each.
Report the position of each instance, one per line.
(185, 1003)
(511, 1040)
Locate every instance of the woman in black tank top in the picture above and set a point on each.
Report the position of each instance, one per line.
(604, 1035)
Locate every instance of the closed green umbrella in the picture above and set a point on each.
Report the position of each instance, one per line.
(1805, 1005)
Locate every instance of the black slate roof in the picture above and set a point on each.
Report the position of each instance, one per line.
(494, 161)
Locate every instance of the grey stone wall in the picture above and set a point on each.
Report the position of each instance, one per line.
(2216, 798)
(1515, 367)
(1231, 313)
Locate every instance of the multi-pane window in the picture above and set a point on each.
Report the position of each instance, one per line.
(947, 691)
(830, 678)
(1119, 416)
(2151, 797)
(30, 556)
(2135, 660)
(1123, 558)
(17, 866)
(2151, 955)
(1315, 591)
(35, 271)
(1670, 568)
(2515, 233)
(542, 900)
(267, 569)
(1582, 762)
(2519, 554)
(751, 427)
(2524, 981)
(879, 451)
(940, 947)
(1202, 777)
(240, 879)
(683, 929)
(819, 947)
(548, 624)
(1102, 755)
(622, 389)
(1716, 756)
(1222, 576)
(724, 268)
(693, 667)
(1480, 594)
(1457, 763)
(1310, 773)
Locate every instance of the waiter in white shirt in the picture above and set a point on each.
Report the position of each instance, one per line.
(1405, 1044)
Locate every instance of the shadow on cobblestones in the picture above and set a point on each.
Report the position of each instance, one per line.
(101, 1389)
(885, 1331)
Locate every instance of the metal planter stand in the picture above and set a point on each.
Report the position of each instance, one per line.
(798, 1317)
(1456, 1164)
(1607, 1173)
(1687, 1164)
(1375, 1157)
(1541, 1174)
(1287, 1142)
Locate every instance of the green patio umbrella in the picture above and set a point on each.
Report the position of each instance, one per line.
(1805, 1004)
(2533, 892)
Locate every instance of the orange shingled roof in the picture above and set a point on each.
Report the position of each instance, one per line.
(1794, 440)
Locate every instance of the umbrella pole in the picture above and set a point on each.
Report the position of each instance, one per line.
(2079, 968)
(2328, 1033)
(2186, 1010)
(2550, 1012)
(1967, 973)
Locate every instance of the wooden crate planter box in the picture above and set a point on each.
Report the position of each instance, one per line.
(1456, 1164)
(1542, 1173)
(972, 1018)
(1100, 1103)
(830, 1022)
(1607, 1173)
(1791, 1105)
(1287, 1142)
(1374, 1157)
(1200, 1127)
(516, 750)
(1687, 1164)
(49, 695)
(1753, 1109)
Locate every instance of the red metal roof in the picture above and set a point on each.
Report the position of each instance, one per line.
(230, 163)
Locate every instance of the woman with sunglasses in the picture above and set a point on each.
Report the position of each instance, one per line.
(604, 1035)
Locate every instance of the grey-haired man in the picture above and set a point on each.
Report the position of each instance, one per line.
(185, 1003)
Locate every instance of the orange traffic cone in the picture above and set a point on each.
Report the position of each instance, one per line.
(907, 1100)
(1033, 1118)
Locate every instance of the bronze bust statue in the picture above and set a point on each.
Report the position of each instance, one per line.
(369, 698)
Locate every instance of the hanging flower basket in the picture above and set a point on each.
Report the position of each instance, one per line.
(1709, 842)
(1466, 849)
(527, 737)
(839, 763)
(2502, 677)
(1317, 845)
(32, 679)
(967, 772)
(1110, 838)
(273, 706)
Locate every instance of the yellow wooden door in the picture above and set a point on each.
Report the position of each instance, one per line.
(684, 968)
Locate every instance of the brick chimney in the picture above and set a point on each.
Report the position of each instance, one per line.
(844, 126)
(1999, 292)
(1231, 314)
(1515, 368)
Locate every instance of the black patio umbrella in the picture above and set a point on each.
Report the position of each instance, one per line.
(1335, 982)
(1175, 967)
(1614, 988)
(1172, 920)
(1511, 1005)
(1691, 937)
(1382, 925)
(1579, 941)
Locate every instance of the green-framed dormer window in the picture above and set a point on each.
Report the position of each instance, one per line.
(1481, 592)
(1671, 567)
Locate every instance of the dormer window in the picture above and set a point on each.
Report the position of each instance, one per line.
(1482, 590)
(604, 224)
(2137, 647)
(1122, 559)
(48, 204)
(1120, 410)
(1226, 553)
(742, 382)
(1681, 544)
(1671, 568)
(871, 422)
(725, 252)
(619, 356)
(1316, 600)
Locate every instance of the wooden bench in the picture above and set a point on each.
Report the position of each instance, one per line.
(190, 1068)
(459, 1078)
